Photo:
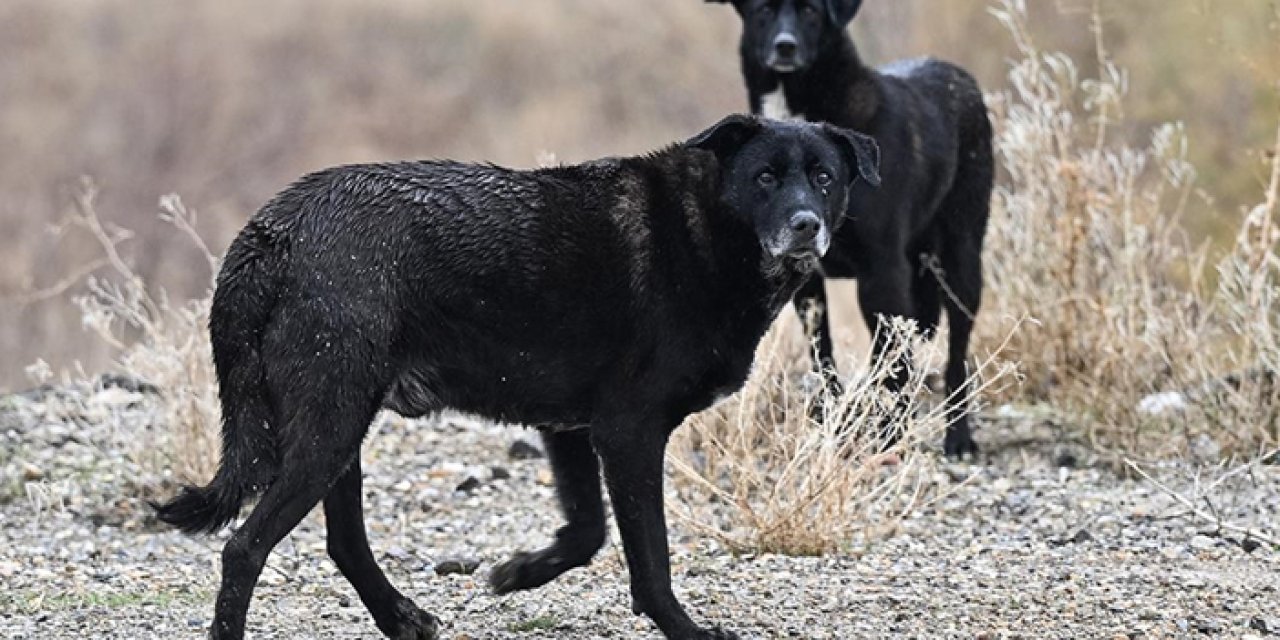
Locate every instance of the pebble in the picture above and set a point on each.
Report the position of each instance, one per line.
(523, 450)
(31, 472)
(458, 566)
(1203, 543)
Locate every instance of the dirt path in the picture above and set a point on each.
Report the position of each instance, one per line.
(1035, 544)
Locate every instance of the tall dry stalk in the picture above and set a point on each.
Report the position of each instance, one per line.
(161, 342)
(1087, 239)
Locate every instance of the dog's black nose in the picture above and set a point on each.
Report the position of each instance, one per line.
(785, 46)
(806, 225)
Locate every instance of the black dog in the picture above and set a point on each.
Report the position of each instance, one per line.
(915, 246)
(609, 299)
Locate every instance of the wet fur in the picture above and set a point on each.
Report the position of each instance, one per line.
(619, 295)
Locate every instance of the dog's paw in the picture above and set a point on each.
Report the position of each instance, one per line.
(415, 624)
(512, 575)
(959, 445)
(528, 570)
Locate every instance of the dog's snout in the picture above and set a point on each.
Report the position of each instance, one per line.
(806, 225)
(785, 46)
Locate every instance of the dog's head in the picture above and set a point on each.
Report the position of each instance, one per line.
(786, 35)
(789, 180)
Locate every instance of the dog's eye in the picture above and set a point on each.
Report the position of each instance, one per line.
(767, 179)
(809, 11)
(822, 179)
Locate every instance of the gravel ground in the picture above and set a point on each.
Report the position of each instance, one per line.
(1035, 542)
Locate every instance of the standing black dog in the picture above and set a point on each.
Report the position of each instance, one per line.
(610, 299)
(915, 246)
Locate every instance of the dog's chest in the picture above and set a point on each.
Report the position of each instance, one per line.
(774, 105)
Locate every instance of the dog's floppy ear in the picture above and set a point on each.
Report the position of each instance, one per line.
(859, 151)
(841, 12)
(724, 138)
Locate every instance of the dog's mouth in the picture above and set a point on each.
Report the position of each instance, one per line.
(804, 257)
(783, 66)
(802, 261)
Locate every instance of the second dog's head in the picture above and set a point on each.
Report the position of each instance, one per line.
(789, 180)
(786, 35)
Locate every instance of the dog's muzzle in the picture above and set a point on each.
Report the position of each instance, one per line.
(784, 55)
(805, 238)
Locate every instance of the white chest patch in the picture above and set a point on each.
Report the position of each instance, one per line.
(774, 106)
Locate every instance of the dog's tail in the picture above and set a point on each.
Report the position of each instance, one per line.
(243, 303)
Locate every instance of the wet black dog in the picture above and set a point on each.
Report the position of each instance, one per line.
(915, 245)
(604, 302)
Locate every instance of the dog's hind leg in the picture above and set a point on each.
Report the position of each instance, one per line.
(395, 615)
(962, 268)
(926, 291)
(965, 218)
(300, 484)
(577, 475)
(327, 389)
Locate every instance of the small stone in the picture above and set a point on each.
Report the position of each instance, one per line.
(1203, 543)
(1079, 537)
(31, 473)
(459, 566)
(545, 478)
(521, 450)
(1259, 623)
(470, 484)
(1067, 460)
(499, 473)
(1208, 626)
(1250, 545)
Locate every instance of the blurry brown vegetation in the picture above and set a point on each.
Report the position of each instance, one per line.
(226, 101)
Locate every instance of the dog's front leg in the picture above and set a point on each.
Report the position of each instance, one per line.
(631, 452)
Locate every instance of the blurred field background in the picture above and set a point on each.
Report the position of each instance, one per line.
(226, 101)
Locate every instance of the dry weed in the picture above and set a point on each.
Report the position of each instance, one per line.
(1087, 239)
(759, 474)
(160, 342)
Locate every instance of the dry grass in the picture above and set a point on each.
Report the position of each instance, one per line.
(760, 475)
(1087, 239)
(160, 342)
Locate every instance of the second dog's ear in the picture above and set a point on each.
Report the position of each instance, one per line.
(859, 151)
(724, 138)
(841, 12)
